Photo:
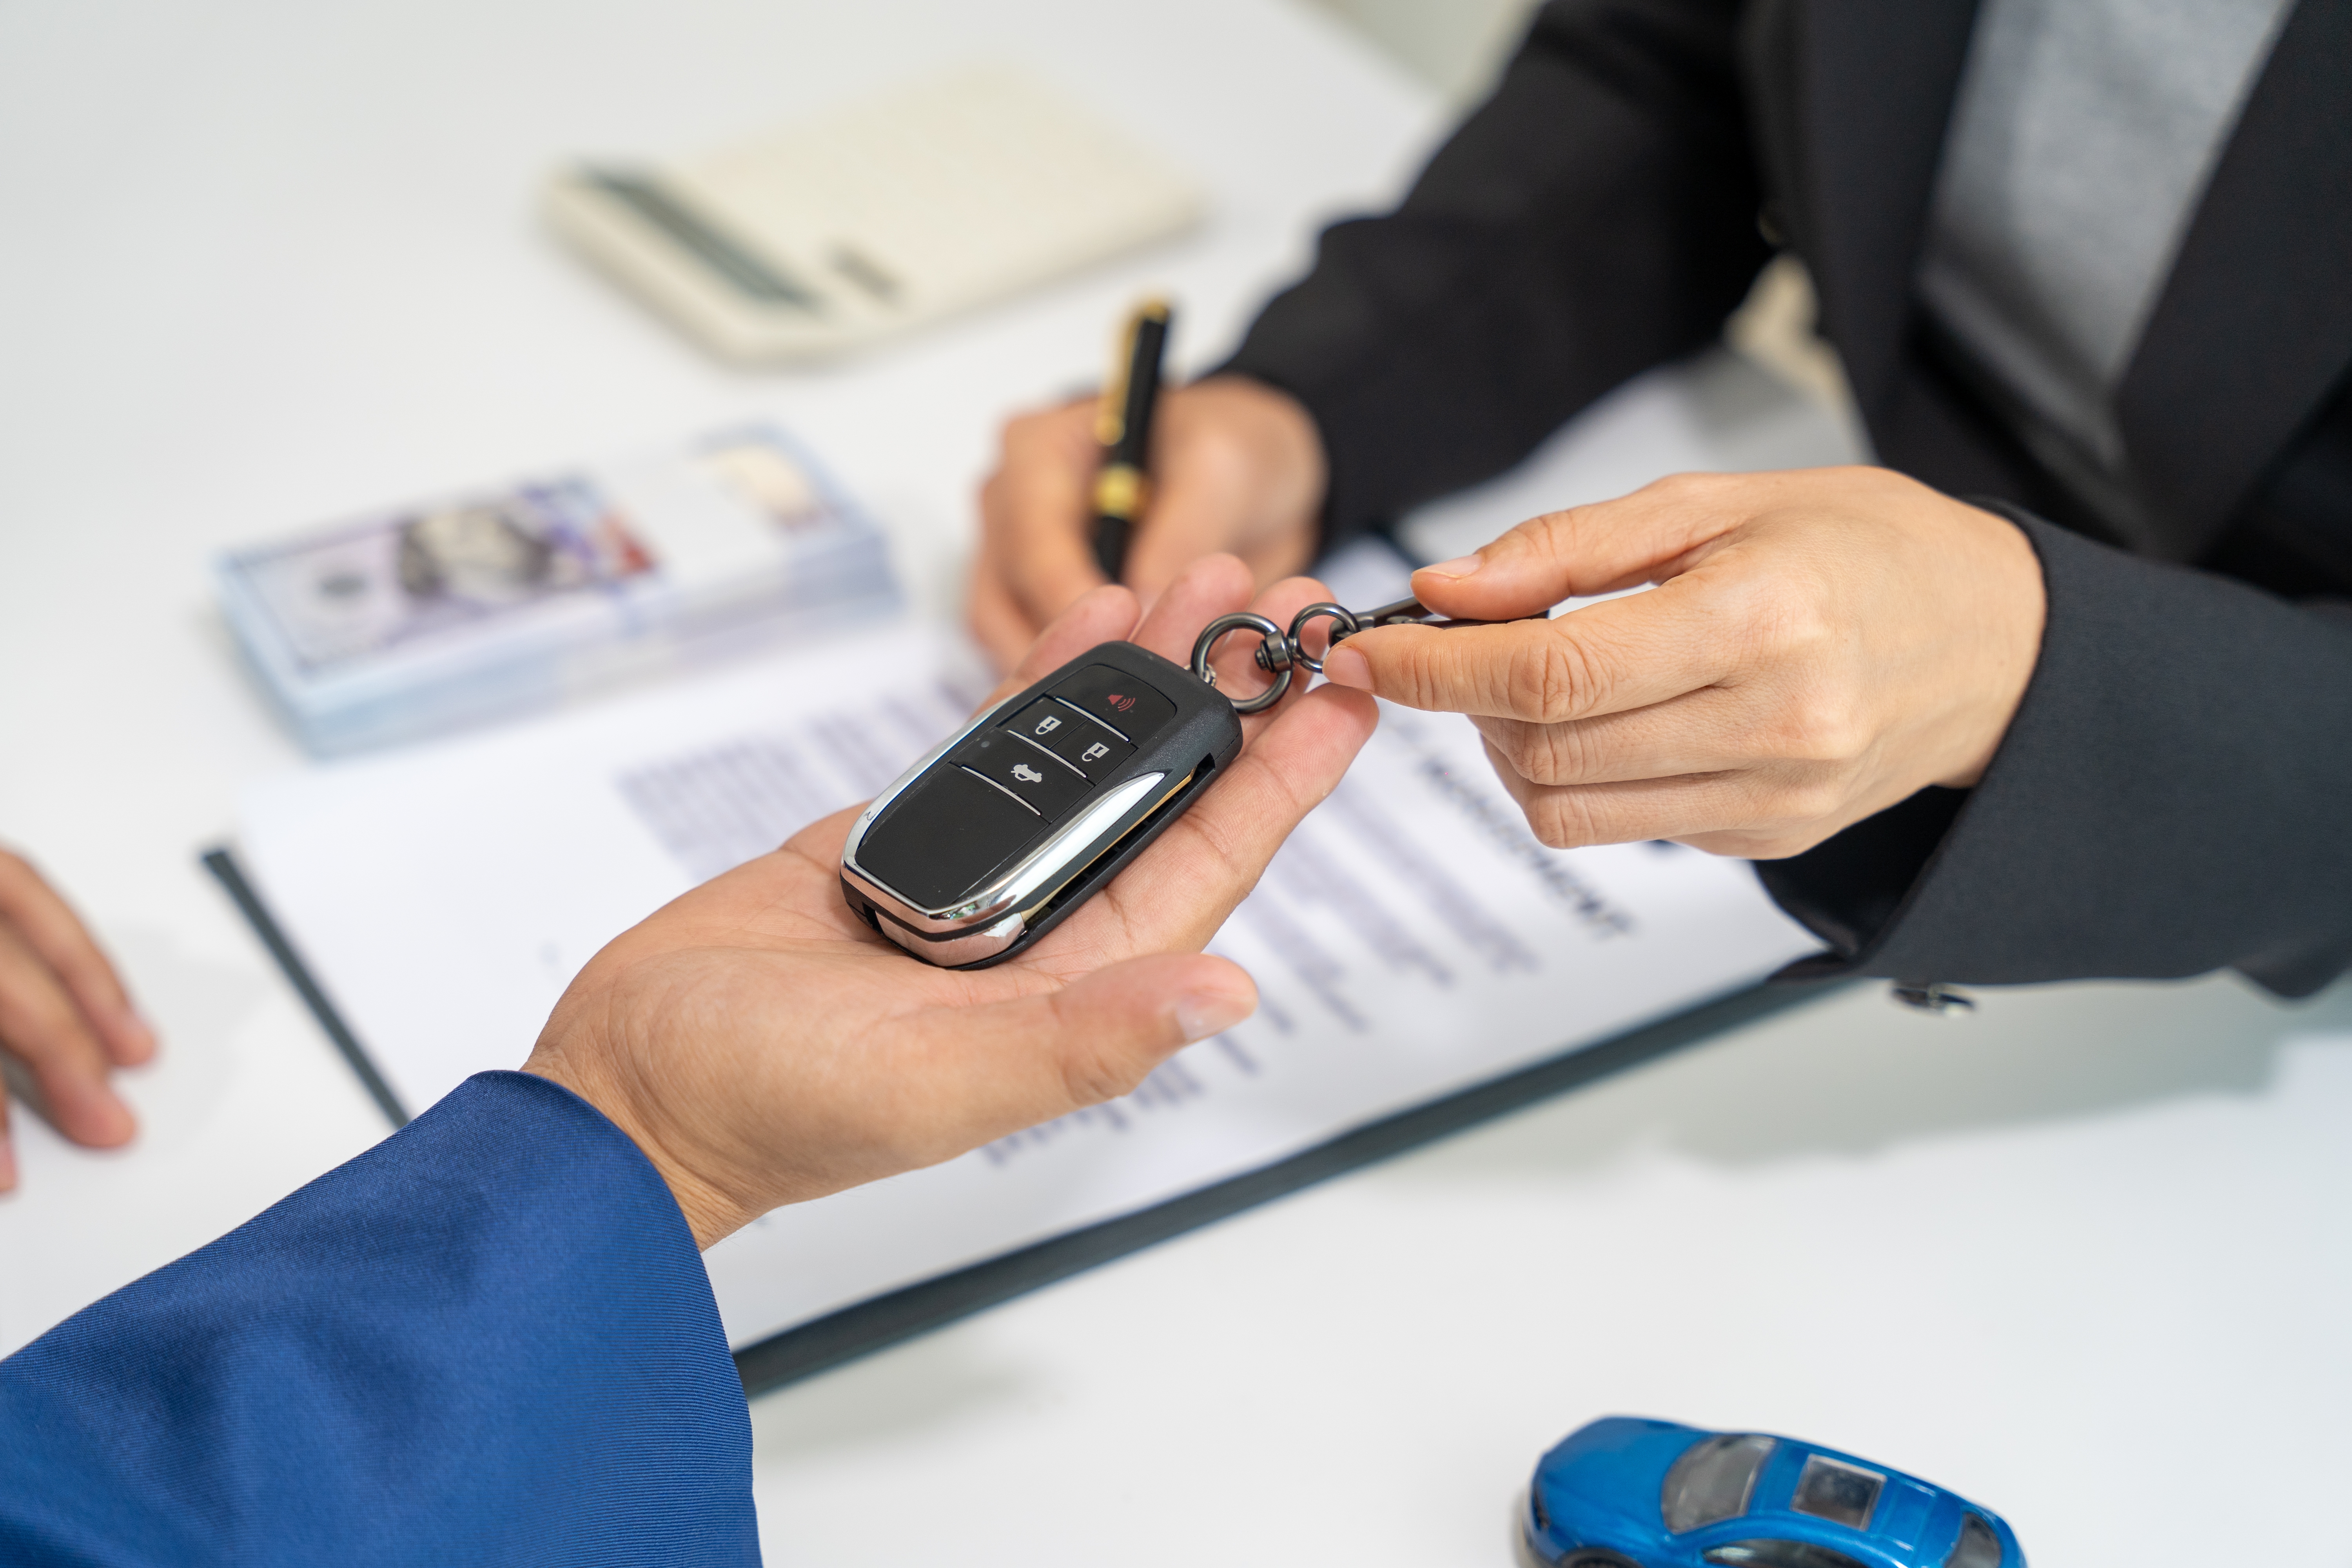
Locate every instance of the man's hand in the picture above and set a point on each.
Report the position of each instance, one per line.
(763, 1045)
(1237, 466)
(65, 1023)
(1821, 645)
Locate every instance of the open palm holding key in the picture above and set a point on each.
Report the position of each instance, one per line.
(764, 1043)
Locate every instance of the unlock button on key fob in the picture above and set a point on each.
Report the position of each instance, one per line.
(1029, 773)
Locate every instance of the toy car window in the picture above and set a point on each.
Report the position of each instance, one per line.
(1778, 1554)
(1711, 1481)
(1841, 1493)
(1979, 1547)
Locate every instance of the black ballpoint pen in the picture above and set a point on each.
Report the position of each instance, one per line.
(1123, 426)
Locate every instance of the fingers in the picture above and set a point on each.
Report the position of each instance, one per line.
(1711, 730)
(63, 1015)
(1574, 816)
(43, 1028)
(1589, 549)
(1212, 587)
(1237, 467)
(52, 930)
(985, 1072)
(1178, 892)
(1104, 613)
(1608, 658)
(1035, 510)
(1755, 813)
(1235, 659)
(996, 623)
(1189, 517)
(1217, 585)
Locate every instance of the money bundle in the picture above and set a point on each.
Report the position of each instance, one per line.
(486, 604)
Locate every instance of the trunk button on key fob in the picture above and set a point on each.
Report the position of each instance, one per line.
(1094, 750)
(1030, 774)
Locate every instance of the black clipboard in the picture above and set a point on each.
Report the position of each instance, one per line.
(880, 1321)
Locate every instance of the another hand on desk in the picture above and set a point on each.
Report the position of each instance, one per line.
(1237, 466)
(763, 1045)
(1823, 644)
(64, 1019)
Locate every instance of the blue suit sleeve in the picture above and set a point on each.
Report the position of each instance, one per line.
(489, 1339)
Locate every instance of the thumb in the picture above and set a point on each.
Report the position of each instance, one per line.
(1102, 614)
(1584, 550)
(998, 1068)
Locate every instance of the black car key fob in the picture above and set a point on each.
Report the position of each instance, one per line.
(1025, 813)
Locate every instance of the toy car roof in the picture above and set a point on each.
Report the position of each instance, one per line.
(1659, 1494)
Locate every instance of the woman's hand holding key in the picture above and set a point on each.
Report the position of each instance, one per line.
(1821, 644)
(763, 1045)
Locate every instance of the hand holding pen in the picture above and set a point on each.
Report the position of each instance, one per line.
(1226, 465)
(1123, 429)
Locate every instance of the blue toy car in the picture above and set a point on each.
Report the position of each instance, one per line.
(1628, 1493)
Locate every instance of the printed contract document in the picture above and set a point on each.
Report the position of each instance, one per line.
(1411, 940)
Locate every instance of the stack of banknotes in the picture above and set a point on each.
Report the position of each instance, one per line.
(494, 602)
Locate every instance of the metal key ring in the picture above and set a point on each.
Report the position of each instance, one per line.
(1345, 623)
(1275, 653)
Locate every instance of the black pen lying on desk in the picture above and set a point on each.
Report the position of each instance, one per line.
(1123, 426)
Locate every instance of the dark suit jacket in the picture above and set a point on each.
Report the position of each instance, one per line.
(488, 1339)
(2175, 794)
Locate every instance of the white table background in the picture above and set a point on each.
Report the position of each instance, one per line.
(2081, 1255)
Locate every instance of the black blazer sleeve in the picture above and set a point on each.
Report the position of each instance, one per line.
(2174, 796)
(1597, 217)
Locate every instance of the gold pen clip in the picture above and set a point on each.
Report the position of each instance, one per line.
(1111, 410)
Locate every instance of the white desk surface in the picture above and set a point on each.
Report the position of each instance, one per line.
(2082, 1255)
